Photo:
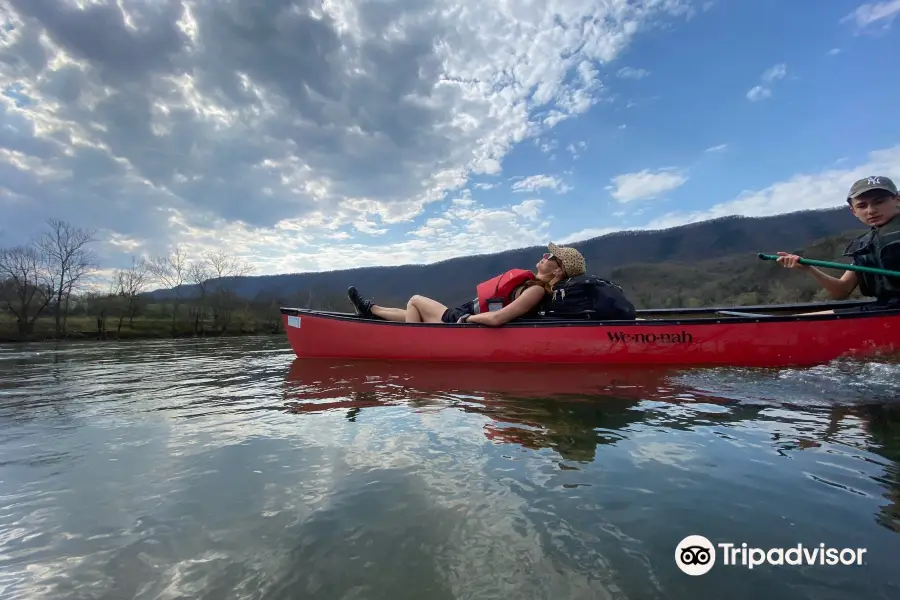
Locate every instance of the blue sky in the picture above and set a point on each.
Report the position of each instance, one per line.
(691, 112)
(363, 132)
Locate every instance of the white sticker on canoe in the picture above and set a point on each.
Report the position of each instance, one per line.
(293, 321)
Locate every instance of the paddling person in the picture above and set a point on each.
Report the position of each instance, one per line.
(521, 292)
(876, 203)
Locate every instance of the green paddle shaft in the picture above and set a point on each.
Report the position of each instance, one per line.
(834, 265)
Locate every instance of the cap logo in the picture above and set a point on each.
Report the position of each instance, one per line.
(874, 181)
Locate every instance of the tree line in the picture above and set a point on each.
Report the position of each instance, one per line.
(54, 277)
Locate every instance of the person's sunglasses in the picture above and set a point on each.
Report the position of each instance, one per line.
(550, 256)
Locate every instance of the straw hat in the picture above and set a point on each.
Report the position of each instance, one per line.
(570, 258)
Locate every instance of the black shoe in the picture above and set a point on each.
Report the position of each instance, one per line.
(361, 306)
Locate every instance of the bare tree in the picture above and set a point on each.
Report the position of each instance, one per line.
(28, 286)
(106, 303)
(129, 283)
(69, 261)
(225, 269)
(79, 274)
(227, 265)
(171, 271)
(199, 272)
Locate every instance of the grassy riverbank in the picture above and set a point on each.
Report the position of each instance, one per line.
(85, 328)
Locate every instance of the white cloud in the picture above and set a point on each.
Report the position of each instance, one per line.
(432, 227)
(774, 73)
(867, 14)
(646, 185)
(369, 228)
(537, 182)
(466, 227)
(530, 209)
(769, 76)
(547, 147)
(586, 234)
(834, 52)
(632, 73)
(825, 189)
(758, 92)
(719, 148)
(248, 122)
(576, 148)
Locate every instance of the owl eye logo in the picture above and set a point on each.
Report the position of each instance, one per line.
(695, 555)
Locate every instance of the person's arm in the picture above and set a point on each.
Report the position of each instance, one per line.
(526, 301)
(838, 289)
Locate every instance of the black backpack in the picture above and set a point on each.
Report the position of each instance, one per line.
(589, 297)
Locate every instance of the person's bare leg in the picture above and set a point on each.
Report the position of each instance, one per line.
(420, 309)
(411, 314)
(389, 314)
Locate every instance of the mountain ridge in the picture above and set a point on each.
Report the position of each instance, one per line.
(453, 280)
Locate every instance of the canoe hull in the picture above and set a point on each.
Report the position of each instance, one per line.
(684, 342)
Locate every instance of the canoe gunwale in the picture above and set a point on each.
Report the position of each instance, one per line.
(711, 316)
(761, 308)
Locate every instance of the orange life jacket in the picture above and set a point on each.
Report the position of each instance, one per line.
(496, 293)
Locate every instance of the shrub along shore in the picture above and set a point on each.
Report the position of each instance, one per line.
(86, 328)
(152, 322)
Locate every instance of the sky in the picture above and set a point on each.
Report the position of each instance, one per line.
(306, 135)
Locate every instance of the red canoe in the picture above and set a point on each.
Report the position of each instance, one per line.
(757, 336)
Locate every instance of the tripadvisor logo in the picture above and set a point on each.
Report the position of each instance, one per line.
(696, 555)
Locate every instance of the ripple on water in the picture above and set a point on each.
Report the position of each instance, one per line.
(227, 469)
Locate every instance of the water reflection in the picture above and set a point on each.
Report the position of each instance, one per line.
(571, 410)
(228, 469)
(874, 428)
(321, 377)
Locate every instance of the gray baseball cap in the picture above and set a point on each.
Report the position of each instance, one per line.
(867, 184)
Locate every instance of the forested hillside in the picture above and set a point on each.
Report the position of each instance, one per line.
(665, 260)
(737, 279)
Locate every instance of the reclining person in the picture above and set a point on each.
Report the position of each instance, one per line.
(874, 201)
(514, 294)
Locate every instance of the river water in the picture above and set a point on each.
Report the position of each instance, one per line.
(226, 469)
